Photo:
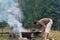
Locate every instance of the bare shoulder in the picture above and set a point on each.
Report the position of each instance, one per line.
(45, 18)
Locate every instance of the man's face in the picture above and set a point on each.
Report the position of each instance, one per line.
(37, 23)
(17, 5)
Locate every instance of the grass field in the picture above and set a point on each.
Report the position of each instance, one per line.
(53, 34)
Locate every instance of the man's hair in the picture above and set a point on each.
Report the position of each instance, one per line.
(35, 22)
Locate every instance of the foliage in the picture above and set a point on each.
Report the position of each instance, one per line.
(3, 24)
(37, 9)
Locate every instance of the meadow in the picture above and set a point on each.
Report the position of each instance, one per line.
(53, 34)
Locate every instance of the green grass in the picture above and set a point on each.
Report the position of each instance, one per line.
(53, 34)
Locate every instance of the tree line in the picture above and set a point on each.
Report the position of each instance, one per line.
(37, 9)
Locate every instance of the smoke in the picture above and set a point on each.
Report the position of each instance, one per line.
(9, 18)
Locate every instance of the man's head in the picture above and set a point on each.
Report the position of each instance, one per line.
(17, 4)
(36, 22)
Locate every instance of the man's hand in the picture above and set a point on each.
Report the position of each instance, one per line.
(9, 10)
(20, 20)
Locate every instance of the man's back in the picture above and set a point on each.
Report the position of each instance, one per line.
(44, 20)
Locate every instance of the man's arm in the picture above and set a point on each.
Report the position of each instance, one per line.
(21, 15)
(9, 10)
(20, 20)
(43, 29)
(43, 25)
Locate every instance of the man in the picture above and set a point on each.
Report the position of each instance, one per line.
(15, 25)
(16, 11)
(9, 18)
(46, 26)
(18, 15)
